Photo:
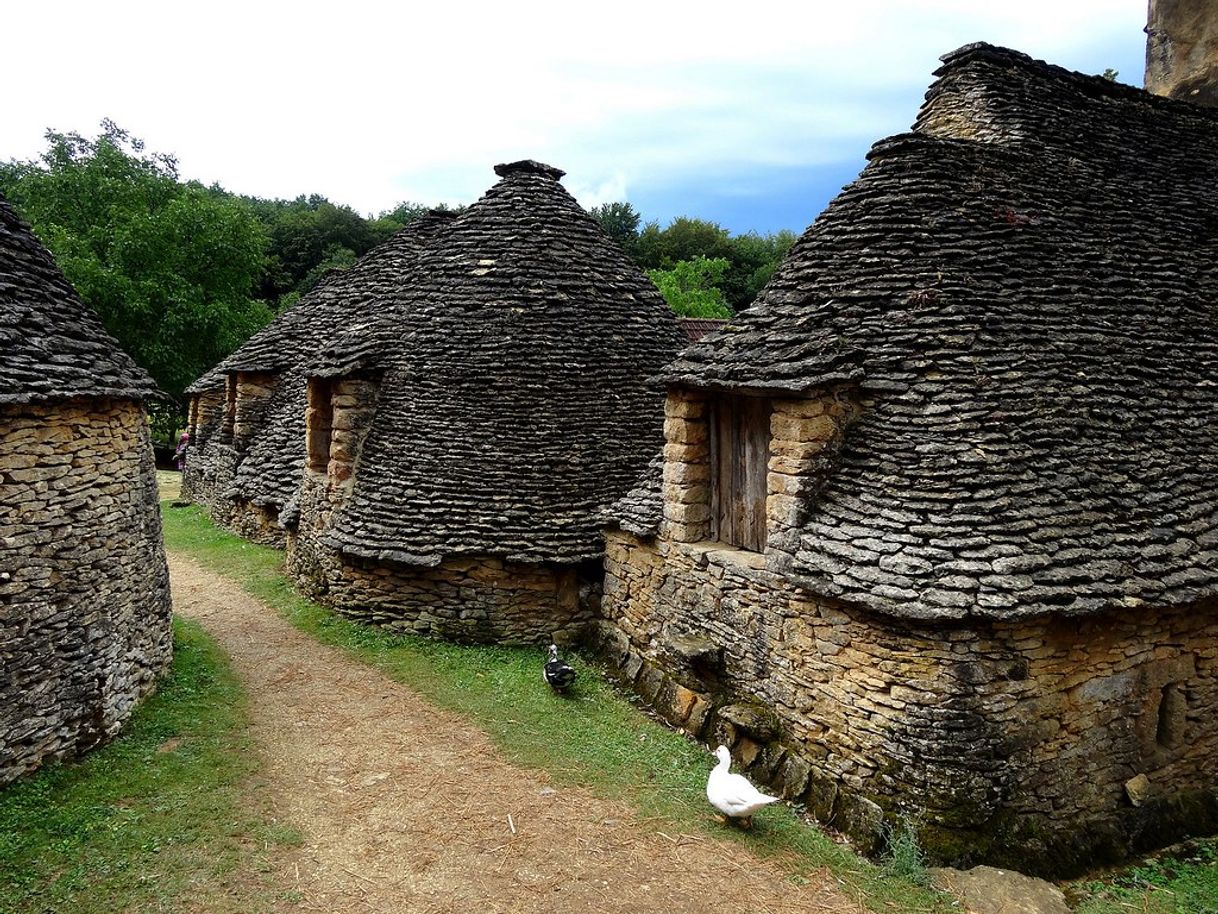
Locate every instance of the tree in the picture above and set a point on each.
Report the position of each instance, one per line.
(751, 257)
(683, 239)
(170, 267)
(305, 234)
(754, 259)
(620, 222)
(691, 287)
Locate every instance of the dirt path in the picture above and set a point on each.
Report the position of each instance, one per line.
(405, 807)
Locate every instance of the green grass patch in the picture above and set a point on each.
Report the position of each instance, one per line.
(1177, 882)
(595, 738)
(155, 818)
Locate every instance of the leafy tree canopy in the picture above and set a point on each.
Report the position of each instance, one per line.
(621, 222)
(170, 267)
(751, 258)
(692, 287)
(307, 237)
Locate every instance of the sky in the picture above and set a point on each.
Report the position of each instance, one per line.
(750, 114)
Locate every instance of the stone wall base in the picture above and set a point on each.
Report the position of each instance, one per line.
(256, 523)
(85, 628)
(475, 600)
(1047, 745)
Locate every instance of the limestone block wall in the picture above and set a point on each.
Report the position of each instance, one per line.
(223, 424)
(477, 599)
(208, 481)
(84, 589)
(467, 598)
(253, 393)
(206, 413)
(1009, 743)
(805, 436)
(247, 397)
(1182, 50)
(256, 523)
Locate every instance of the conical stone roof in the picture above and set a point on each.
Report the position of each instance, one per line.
(515, 402)
(1025, 291)
(270, 468)
(53, 345)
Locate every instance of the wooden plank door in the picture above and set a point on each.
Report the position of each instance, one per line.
(740, 451)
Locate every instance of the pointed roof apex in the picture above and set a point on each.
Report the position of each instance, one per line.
(529, 167)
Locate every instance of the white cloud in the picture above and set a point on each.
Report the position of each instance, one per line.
(373, 104)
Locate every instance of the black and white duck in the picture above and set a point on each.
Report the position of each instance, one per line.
(557, 673)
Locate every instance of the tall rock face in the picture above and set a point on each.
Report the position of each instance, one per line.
(1182, 50)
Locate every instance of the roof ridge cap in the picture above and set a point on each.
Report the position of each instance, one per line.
(528, 167)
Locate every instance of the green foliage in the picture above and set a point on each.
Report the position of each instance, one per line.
(903, 857)
(751, 257)
(754, 259)
(170, 267)
(594, 738)
(393, 221)
(307, 237)
(691, 287)
(1184, 881)
(158, 820)
(684, 239)
(620, 222)
(1110, 74)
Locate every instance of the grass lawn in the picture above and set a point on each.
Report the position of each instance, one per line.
(159, 820)
(595, 738)
(599, 739)
(1184, 881)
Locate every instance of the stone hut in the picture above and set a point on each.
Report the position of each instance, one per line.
(247, 414)
(465, 438)
(206, 413)
(934, 534)
(84, 590)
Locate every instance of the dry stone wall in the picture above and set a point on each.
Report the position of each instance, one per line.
(256, 523)
(1008, 741)
(84, 589)
(485, 600)
(1011, 743)
(222, 435)
(206, 415)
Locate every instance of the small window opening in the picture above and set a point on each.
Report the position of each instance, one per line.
(740, 454)
(1170, 730)
(320, 424)
(230, 409)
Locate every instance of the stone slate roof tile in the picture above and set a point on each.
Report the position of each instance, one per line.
(53, 345)
(295, 336)
(515, 404)
(1024, 290)
(642, 508)
(269, 471)
(212, 379)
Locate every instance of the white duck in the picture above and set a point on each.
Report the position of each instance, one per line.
(732, 794)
